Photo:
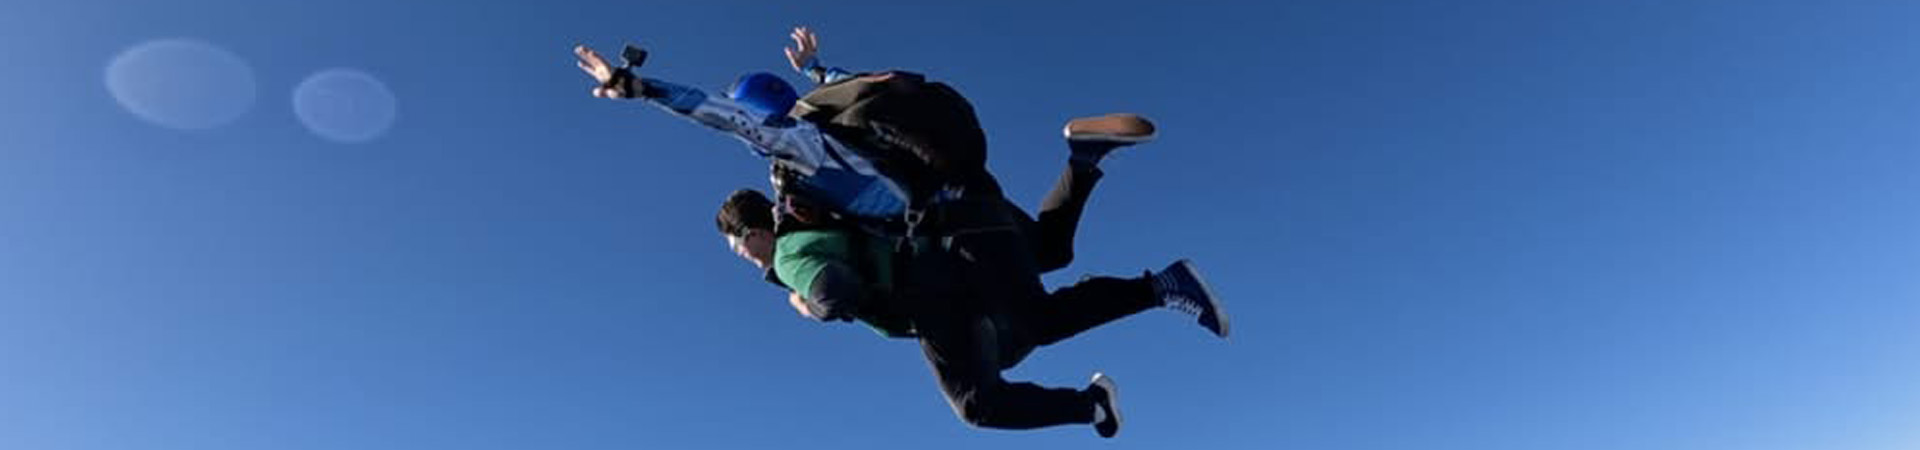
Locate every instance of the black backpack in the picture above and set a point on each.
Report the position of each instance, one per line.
(919, 132)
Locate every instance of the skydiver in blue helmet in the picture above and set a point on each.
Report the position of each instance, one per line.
(834, 183)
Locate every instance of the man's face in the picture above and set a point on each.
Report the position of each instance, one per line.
(755, 246)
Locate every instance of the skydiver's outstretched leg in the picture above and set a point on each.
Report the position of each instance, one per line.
(1087, 304)
(966, 344)
(1034, 317)
(971, 332)
(999, 312)
(964, 352)
(1089, 139)
(1095, 301)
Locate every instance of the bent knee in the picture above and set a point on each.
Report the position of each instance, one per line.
(974, 416)
(975, 409)
(1054, 260)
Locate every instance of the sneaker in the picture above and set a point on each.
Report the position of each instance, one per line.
(1179, 287)
(1092, 138)
(1107, 405)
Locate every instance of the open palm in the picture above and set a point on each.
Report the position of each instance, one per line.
(806, 47)
(602, 72)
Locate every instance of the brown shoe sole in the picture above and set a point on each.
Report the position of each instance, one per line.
(1111, 127)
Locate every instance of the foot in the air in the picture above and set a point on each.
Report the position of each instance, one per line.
(1179, 287)
(1106, 405)
(1091, 138)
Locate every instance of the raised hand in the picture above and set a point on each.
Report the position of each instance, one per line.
(602, 72)
(805, 49)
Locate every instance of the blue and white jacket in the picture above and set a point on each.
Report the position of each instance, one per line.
(829, 172)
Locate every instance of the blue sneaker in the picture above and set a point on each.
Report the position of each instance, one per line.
(1106, 405)
(1179, 287)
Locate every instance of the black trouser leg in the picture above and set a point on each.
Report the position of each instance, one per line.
(965, 355)
(1052, 235)
(1000, 284)
(999, 311)
(1090, 303)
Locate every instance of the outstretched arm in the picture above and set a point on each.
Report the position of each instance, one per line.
(769, 137)
(804, 55)
(613, 82)
(853, 184)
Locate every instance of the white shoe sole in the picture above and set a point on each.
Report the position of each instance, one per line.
(1113, 399)
(1219, 310)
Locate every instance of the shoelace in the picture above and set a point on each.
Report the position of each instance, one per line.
(1172, 298)
(1183, 304)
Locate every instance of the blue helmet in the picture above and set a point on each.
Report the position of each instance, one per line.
(764, 92)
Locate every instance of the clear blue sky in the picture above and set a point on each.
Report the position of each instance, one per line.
(1440, 225)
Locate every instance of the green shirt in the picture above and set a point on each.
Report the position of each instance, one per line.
(802, 260)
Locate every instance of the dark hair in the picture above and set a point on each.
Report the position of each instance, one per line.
(745, 209)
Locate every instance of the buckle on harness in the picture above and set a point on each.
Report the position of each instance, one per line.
(914, 218)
